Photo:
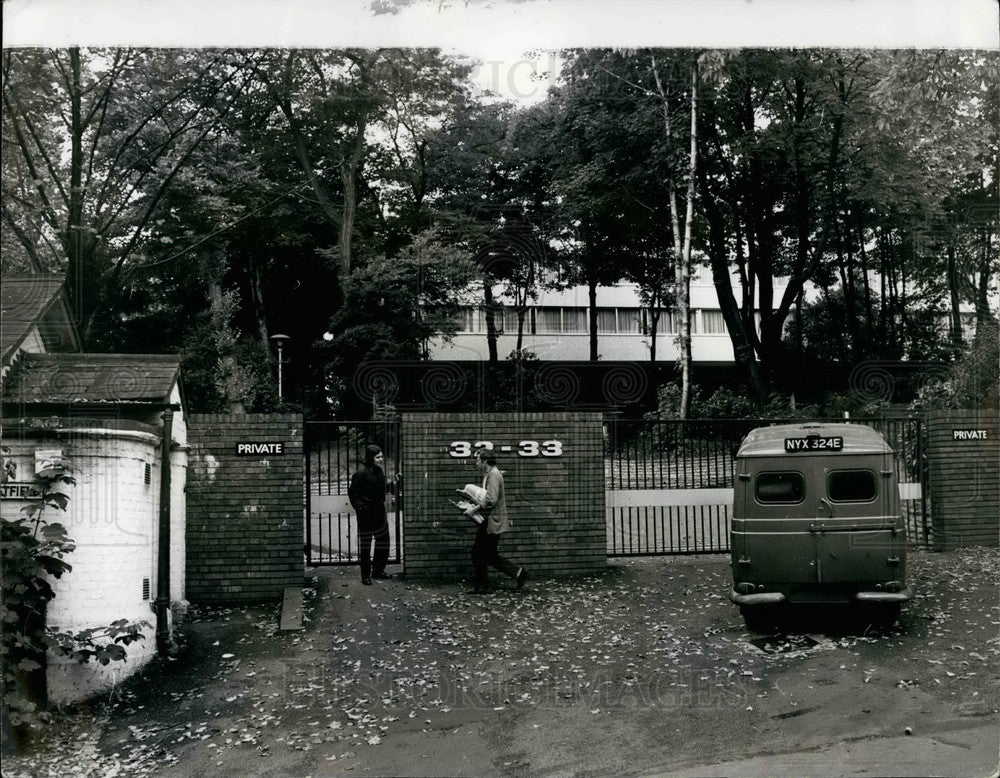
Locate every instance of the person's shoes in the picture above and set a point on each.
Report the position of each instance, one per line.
(522, 575)
(382, 576)
(366, 581)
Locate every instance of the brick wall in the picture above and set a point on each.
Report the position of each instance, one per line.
(555, 502)
(964, 477)
(244, 513)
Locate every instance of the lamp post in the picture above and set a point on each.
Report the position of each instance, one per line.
(279, 341)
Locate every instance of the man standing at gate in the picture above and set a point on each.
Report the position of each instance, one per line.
(493, 510)
(367, 494)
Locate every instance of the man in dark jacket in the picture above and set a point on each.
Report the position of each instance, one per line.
(367, 494)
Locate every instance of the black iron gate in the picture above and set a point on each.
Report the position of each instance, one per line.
(668, 483)
(334, 450)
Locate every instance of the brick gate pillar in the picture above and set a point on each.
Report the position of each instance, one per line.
(553, 465)
(963, 457)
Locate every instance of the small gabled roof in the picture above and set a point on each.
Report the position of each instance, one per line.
(29, 301)
(134, 379)
(770, 441)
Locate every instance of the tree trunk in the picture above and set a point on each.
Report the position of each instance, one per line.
(491, 323)
(592, 308)
(74, 238)
(685, 277)
(799, 334)
(851, 299)
(869, 307)
(257, 300)
(654, 321)
(718, 253)
(349, 177)
(903, 313)
(882, 299)
(955, 317)
(682, 241)
(983, 290)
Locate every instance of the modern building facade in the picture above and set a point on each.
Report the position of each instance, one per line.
(557, 327)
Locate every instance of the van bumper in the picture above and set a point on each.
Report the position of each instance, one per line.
(761, 598)
(902, 596)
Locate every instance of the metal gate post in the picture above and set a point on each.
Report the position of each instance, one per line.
(306, 441)
(924, 485)
(399, 489)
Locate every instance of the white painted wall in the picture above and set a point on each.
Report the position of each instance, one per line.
(112, 517)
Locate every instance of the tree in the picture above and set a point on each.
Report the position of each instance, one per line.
(923, 138)
(93, 141)
(393, 306)
(609, 199)
(488, 169)
(333, 104)
(682, 238)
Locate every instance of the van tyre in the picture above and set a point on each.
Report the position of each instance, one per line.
(883, 616)
(759, 618)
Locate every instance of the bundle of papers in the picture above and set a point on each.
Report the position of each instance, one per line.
(473, 496)
(464, 506)
(474, 493)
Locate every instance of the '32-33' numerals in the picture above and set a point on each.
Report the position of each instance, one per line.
(461, 449)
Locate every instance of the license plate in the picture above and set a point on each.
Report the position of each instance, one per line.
(813, 443)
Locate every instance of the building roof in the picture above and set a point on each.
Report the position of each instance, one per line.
(143, 379)
(29, 301)
(770, 441)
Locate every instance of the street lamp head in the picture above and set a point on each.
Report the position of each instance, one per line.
(279, 341)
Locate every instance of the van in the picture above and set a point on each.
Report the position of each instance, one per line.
(816, 519)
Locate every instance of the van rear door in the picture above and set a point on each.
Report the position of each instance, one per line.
(854, 522)
(779, 510)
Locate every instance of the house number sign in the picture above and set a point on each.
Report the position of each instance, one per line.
(461, 449)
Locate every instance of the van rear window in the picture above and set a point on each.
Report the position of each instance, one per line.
(851, 486)
(780, 487)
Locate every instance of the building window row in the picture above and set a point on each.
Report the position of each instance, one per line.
(555, 320)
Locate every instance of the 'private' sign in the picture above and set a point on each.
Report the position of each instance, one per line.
(968, 434)
(259, 449)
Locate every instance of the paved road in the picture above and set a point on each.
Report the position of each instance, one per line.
(961, 748)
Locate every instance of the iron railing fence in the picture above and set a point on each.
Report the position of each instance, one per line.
(696, 457)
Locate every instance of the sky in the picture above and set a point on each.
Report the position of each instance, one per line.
(514, 39)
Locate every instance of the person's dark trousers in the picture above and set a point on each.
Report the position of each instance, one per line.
(381, 538)
(485, 553)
